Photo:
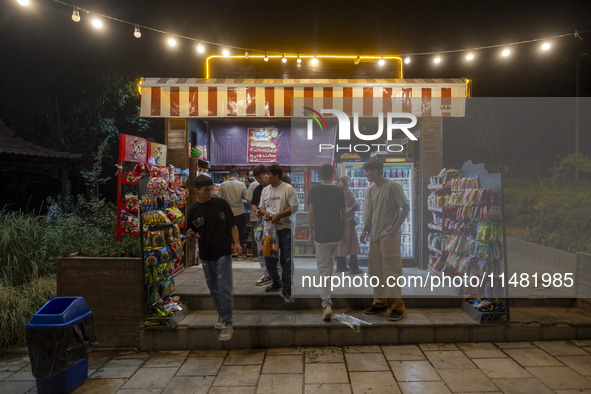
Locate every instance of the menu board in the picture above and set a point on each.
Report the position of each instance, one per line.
(262, 145)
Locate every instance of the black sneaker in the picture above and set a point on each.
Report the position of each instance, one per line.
(273, 288)
(372, 310)
(395, 315)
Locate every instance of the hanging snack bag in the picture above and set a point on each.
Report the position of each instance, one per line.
(177, 249)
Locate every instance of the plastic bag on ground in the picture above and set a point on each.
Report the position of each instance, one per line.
(351, 321)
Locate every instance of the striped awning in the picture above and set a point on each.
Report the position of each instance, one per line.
(217, 98)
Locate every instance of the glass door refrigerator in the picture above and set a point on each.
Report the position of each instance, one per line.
(300, 181)
(402, 173)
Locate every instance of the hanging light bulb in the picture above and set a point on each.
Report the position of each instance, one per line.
(314, 61)
(407, 60)
(24, 3)
(246, 55)
(284, 59)
(357, 60)
(381, 62)
(545, 46)
(76, 15)
(299, 60)
(469, 56)
(506, 52)
(225, 53)
(171, 42)
(266, 58)
(200, 48)
(136, 32)
(437, 59)
(97, 23)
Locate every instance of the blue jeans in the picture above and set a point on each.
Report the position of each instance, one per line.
(286, 261)
(218, 276)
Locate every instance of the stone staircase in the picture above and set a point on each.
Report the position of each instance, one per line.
(265, 320)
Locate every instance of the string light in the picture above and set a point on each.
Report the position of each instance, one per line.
(76, 15)
(284, 59)
(246, 55)
(437, 59)
(266, 58)
(136, 32)
(299, 60)
(97, 23)
(201, 49)
(171, 42)
(314, 61)
(381, 62)
(469, 56)
(225, 53)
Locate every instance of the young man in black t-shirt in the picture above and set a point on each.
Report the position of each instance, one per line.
(326, 226)
(211, 221)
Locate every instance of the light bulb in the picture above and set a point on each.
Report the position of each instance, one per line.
(469, 56)
(299, 60)
(437, 60)
(266, 58)
(407, 60)
(24, 3)
(246, 55)
(200, 48)
(97, 23)
(506, 52)
(171, 42)
(545, 46)
(381, 62)
(136, 32)
(314, 61)
(283, 59)
(76, 15)
(226, 53)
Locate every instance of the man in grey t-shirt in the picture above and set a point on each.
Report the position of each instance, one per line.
(386, 208)
(234, 192)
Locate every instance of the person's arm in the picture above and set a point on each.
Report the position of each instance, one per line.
(400, 218)
(345, 224)
(367, 216)
(310, 222)
(237, 248)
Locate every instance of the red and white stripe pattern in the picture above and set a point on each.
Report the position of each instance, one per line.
(215, 98)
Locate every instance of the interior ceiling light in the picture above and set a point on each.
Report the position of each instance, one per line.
(299, 59)
(284, 59)
(24, 3)
(246, 55)
(97, 23)
(136, 32)
(407, 60)
(469, 56)
(171, 42)
(266, 58)
(545, 46)
(200, 48)
(76, 15)
(506, 52)
(437, 59)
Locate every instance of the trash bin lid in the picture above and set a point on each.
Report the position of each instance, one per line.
(60, 312)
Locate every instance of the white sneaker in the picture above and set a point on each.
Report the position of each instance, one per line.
(264, 280)
(226, 333)
(220, 324)
(327, 315)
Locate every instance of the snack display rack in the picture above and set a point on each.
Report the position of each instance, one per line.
(467, 237)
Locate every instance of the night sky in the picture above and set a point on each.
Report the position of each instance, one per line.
(39, 40)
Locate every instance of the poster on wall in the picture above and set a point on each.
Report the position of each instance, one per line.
(262, 145)
(133, 149)
(157, 154)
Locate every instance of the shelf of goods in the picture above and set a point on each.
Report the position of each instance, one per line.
(358, 184)
(298, 182)
(466, 237)
(303, 248)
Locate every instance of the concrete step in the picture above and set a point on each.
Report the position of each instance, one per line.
(271, 328)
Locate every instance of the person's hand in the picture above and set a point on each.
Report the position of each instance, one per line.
(237, 249)
(311, 238)
(362, 237)
(275, 218)
(192, 234)
(268, 217)
(258, 212)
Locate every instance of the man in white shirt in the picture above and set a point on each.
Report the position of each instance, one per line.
(278, 203)
(234, 192)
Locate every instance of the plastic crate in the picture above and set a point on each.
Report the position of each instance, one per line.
(66, 381)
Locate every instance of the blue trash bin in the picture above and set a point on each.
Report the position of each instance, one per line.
(59, 337)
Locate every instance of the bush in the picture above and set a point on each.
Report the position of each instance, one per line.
(18, 304)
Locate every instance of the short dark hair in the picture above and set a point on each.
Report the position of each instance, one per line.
(374, 164)
(326, 172)
(259, 170)
(285, 178)
(275, 169)
(202, 181)
(234, 171)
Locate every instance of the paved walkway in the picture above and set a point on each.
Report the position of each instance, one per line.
(519, 367)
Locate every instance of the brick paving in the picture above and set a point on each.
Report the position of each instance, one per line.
(511, 367)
